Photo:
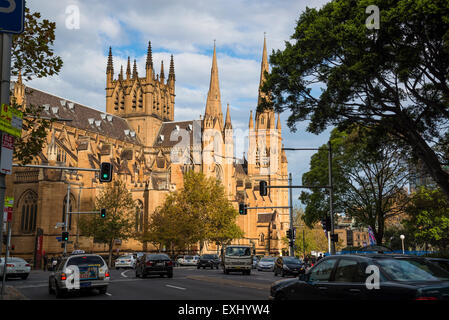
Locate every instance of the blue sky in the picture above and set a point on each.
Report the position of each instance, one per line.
(186, 29)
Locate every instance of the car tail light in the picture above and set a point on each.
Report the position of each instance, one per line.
(63, 276)
(128, 260)
(149, 263)
(169, 263)
(27, 265)
(426, 298)
(10, 265)
(106, 274)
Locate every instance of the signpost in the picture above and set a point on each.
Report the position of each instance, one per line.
(12, 18)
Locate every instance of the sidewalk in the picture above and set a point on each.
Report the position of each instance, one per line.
(12, 293)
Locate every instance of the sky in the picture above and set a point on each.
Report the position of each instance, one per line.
(186, 29)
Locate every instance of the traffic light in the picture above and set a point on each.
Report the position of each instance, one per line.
(289, 233)
(105, 172)
(242, 208)
(263, 189)
(65, 236)
(326, 224)
(103, 213)
(334, 237)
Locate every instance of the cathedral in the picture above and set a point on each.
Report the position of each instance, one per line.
(150, 152)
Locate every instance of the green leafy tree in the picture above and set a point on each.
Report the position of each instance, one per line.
(308, 238)
(336, 71)
(369, 185)
(197, 213)
(33, 56)
(118, 223)
(429, 218)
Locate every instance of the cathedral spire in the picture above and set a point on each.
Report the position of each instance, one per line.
(128, 69)
(162, 71)
(110, 66)
(278, 125)
(264, 67)
(213, 104)
(19, 77)
(251, 123)
(120, 76)
(171, 73)
(149, 64)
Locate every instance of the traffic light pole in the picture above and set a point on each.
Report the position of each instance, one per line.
(292, 241)
(66, 221)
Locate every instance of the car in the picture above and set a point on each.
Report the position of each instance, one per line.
(93, 274)
(15, 267)
(154, 263)
(266, 264)
(189, 261)
(125, 261)
(209, 261)
(179, 260)
(442, 263)
(366, 277)
(288, 266)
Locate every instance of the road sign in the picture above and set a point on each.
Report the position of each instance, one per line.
(12, 16)
(11, 120)
(7, 209)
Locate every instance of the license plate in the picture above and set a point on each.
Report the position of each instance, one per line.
(20, 270)
(159, 264)
(85, 284)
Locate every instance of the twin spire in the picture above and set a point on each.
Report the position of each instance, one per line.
(149, 67)
(213, 104)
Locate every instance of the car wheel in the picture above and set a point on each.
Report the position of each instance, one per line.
(198, 267)
(50, 288)
(103, 290)
(59, 292)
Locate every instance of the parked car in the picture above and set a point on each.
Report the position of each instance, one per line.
(180, 260)
(288, 266)
(442, 263)
(209, 261)
(125, 261)
(15, 267)
(344, 277)
(93, 274)
(154, 263)
(266, 264)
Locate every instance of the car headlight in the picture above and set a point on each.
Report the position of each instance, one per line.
(285, 267)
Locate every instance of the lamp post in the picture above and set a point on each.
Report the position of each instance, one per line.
(402, 239)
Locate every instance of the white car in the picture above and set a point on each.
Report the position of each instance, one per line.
(126, 261)
(15, 267)
(266, 264)
(190, 261)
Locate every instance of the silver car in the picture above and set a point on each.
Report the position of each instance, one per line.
(266, 264)
(15, 267)
(93, 273)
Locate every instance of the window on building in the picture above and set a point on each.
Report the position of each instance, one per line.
(28, 209)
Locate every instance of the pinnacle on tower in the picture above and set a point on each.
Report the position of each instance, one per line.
(278, 125)
(149, 65)
(120, 76)
(171, 73)
(19, 77)
(251, 123)
(228, 124)
(135, 75)
(162, 71)
(110, 66)
(213, 104)
(264, 67)
(128, 69)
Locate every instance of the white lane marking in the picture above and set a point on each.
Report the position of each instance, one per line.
(108, 294)
(180, 288)
(123, 273)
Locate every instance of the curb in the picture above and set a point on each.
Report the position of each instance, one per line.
(12, 293)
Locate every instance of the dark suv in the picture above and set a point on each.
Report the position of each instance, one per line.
(288, 266)
(154, 263)
(208, 260)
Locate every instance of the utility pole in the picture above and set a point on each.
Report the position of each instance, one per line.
(291, 243)
(66, 222)
(331, 197)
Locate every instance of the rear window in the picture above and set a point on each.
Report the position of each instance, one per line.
(188, 257)
(126, 257)
(268, 259)
(292, 260)
(82, 260)
(208, 256)
(158, 257)
(412, 270)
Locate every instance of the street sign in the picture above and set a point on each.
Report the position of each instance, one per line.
(12, 16)
(11, 120)
(7, 208)
(59, 225)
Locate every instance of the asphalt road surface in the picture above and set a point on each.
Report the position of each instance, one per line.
(188, 283)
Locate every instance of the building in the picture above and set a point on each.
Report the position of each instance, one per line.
(150, 152)
(349, 235)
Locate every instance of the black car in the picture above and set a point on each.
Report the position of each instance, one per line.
(442, 263)
(154, 263)
(368, 277)
(288, 266)
(208, 260)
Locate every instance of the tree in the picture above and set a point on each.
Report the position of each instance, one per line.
(314, 237)
(197, 213)
(118, 223)
(368, 185)
(33, 57)
(336, 71)
(429, 218)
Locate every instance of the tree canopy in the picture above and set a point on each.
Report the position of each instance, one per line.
(335, 71)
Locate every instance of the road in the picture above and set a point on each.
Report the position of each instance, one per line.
(188, 283)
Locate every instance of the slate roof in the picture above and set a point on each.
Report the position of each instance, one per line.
(80, 116)
(172, 137)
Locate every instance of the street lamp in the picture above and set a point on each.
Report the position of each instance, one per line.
(402, 238)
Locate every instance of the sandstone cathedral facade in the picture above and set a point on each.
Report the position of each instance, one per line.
(150, 152)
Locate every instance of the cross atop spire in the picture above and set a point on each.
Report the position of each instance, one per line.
(213, 104)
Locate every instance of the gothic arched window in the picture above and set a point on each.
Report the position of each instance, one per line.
(28, 209)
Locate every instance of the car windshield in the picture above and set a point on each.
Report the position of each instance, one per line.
(412, 270)
(158, 257)
(270, 259)
(291, 260)
(81, 260)
(188, 257)
(207, 256)
(126, 257)
(238, 251)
